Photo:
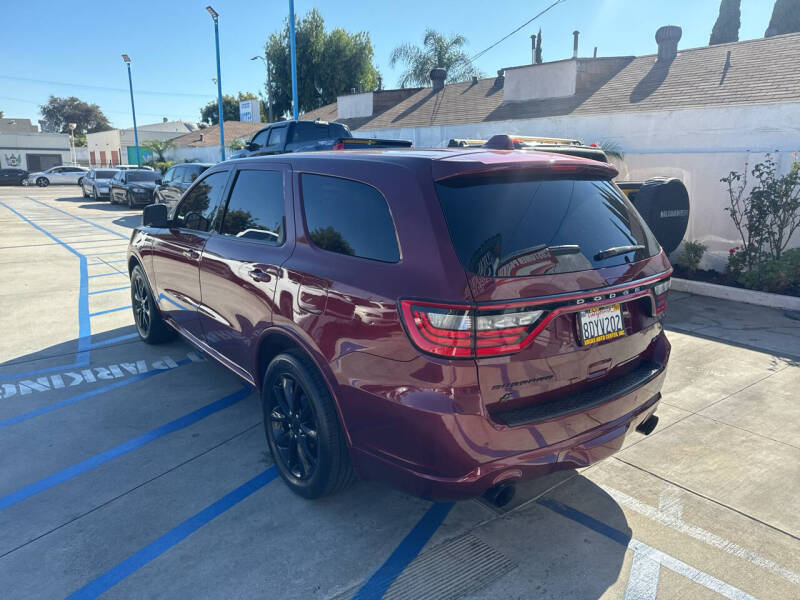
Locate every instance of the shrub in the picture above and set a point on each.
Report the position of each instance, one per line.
(781, 275)
(691, 255)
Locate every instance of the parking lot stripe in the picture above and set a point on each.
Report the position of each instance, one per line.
(92, 223)
(95, 392)
(106, 274)
(110, 310)
(174, 536)
(123, 448)
(665, 560)
(114, 340)
(116, 289)
(409, 548)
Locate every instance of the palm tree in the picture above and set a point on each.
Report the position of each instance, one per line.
(437, 51)
(159, 148)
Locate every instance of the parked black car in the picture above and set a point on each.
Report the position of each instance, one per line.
(133, 186)
(176, 181)
(309, 136)
(12, 176)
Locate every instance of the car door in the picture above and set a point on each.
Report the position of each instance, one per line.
(241, 264)
(5, 176)
(88, 181)
(55, 175)
(118, 187)
(171, 192)
(176, 252)
(277, 140)
(258, 142)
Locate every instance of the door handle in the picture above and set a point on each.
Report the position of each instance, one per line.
(191, 254)
(259, 275)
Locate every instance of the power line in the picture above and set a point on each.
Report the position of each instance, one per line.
(482, 52)
(104, 88)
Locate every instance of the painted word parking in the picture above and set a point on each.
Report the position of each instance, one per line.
(132, 470)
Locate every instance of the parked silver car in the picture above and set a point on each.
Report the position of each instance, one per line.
(57, 175)
(95, 184)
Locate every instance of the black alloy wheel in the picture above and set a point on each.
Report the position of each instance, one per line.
(294, 427)
(149, 324)
(43, 182)
(130, 200)
(302, 427)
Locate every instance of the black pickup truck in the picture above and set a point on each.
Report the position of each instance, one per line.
(310, 136)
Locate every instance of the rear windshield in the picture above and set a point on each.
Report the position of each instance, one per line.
(142, 176)
(512, 227)
(104, 174)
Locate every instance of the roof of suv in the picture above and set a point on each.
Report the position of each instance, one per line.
(447, 162)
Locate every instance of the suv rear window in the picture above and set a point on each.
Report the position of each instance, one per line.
(348, 217)
(506, 226)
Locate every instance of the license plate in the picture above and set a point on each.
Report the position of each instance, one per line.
(600, 324)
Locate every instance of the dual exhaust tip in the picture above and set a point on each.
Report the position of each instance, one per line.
(501, 494)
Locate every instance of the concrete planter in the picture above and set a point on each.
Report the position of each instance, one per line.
(725, 292)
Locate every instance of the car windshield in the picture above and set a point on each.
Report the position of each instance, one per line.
(142, 176)
(507, 226)
(104, 174)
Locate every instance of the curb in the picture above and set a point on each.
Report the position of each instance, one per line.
(713, 290)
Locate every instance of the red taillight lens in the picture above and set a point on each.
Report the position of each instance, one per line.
(660, 290)
(338, 146)
(456, 330)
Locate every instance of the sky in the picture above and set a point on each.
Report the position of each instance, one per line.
(74, 48)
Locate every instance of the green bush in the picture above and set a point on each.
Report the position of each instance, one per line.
(691, 255)
(160, 165)
(780, 276)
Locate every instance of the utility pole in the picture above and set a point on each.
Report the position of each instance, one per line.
(127, 60)
(215, 16)
(294, 60)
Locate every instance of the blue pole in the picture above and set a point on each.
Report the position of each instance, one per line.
(294, 59)
(133, 110)
(219, 93)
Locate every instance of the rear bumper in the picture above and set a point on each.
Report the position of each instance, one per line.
(495, 453)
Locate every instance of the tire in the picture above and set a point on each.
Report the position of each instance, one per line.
(94, 193)
(42, 182)
(302, 428)
(83, 191)
(130, 200)
(80, 181)
(150, 326)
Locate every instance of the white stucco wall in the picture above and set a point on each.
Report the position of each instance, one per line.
(699, 146)
(354, 105)
(202, 154)
(546, 80)
(14, 147)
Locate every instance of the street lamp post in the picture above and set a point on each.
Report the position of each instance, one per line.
(215, 16)
(73, 157)
(269, 85)
(127, 60)
(294, 59)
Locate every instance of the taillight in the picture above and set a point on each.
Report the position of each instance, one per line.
(660, 291)
(338, 146)
(461, 331)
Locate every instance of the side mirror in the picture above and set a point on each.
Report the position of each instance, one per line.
(251, 146)
(155, 215)
(158, 181)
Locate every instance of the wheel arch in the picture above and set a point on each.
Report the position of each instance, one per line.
(277, 340)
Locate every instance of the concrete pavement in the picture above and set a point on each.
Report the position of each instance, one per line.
(133, 471)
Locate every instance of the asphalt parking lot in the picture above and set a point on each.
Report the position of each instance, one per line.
(134, 471)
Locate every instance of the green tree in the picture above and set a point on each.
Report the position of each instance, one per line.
(58, 113)
(726, 28)
(538, 57)
(331, 239)
(1, 114)
(159, 148)
(230, 108)
(785, 18)
(437, 51)
(329, 64)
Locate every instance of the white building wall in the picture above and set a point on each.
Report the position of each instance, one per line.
(354, 105)
(14, 147)
(546, 80)
(699, 146)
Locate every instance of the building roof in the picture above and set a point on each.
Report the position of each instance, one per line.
(757, 71)
(168, 127)
(209, 136)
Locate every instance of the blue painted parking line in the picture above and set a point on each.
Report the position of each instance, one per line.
(116, 289)
(114, 340)
(174, 536)
(109, 310)
(124, 448)
(85, 395)
(409, 548)
(107, 262)
(105, 253)
(92, 223)
(107, 274)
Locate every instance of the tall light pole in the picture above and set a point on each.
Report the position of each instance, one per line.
(294, 59)
(127, 60)
(215, 16)
(269, 85)
(73, 156)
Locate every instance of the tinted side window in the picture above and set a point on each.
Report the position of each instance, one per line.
(168, 176)
(277, 137)
(197, 209)
(255, 207)
(260, 139)
(308, 132)
(349, 218)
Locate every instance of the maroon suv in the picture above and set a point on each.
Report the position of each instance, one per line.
(449, 321)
